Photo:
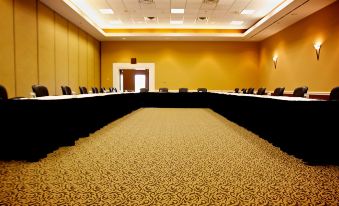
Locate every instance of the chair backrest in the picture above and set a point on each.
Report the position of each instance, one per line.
(201, 90)
(83, 90)
(279, 91)
(66, 90)
(3, 92)
(163, 90)
(143, 90)
(261, 91)
(250, 91)
(334, 95)
(40, 90)
(102, 90)
(183, 90)
(300, 91)
(244, 90)
(236, 90)
(95, 90)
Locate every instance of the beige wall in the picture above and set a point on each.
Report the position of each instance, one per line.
(38, 46)
(214, 65)
(297, 63)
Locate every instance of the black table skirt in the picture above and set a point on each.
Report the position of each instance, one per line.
(30, 129)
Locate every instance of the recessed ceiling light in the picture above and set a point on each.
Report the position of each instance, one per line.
(177, 11)
(176, 21)
(116, 22)
(123, 38)
(247, 12)
(237, 22)
(106, 11)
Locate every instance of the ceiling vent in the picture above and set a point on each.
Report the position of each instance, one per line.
(146, 1)
(202, 19)
(210, 1)
(151, 19)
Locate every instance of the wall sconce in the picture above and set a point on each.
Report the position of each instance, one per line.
(317, 47)
(275, 61)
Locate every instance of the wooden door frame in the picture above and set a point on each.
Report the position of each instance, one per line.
(149, 66)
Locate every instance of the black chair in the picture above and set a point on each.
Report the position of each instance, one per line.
(183, 90)
(95, 90)
(102, 90)
(40, 90)
(66, 90)
(243, 90)
(250, 91)
(300, 91)
(3, 92)
(113, 89)
(143, 90)
(236, 90)
(163, 90)
(334, 95)
(201, 90)
(83, 90)
(261, 91)
(279, 91)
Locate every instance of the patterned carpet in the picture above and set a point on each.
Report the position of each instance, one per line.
(169, 157)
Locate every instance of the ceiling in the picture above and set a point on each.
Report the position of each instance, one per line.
(197, 20)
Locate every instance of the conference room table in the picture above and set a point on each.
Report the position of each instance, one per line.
(32, 128)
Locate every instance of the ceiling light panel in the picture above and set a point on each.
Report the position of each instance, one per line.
(177, 11)
(247, 12)
(106, 11)
(237, 23)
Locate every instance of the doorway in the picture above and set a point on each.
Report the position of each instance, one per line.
(132, 80)
(118, 78)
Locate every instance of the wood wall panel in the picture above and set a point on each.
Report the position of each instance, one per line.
(73, 58)
(26, 43)
(61, 53)
(46, 48)
(90, 61)
(7, 72)
(83, 59)
(97, 63)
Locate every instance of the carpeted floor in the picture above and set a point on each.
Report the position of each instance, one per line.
(169, 157)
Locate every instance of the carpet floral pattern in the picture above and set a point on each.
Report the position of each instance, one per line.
(169, 157)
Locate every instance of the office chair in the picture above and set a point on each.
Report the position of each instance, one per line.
(183, 90)
(83, 90)
(279, 91)
(3, 92)
(102, 90)
(163, 90)
(334, 95)
(201, 90)
(143, 90)
(66, 90)
(250, 90)
(261, 91)
(40, 90)
(95, 90)
(300, 91)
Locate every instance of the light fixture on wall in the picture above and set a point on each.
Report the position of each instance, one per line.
(317, 47)
(275, 61)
